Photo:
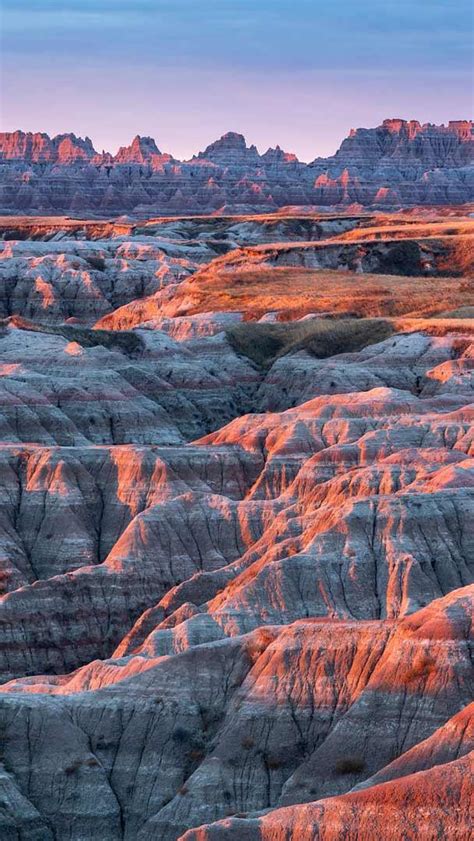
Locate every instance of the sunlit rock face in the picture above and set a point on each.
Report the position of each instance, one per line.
(39, 148)
(397, 163)
(428, 804)
(236, 530)
(400, 162)
(54, 281)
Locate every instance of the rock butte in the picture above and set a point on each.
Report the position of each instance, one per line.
(237, 485)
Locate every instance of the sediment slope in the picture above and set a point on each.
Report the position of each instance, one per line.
(236, 533)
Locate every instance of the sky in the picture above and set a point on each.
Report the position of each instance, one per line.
(300, 73)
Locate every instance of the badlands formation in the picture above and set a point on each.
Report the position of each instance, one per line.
(237, 492)
(398, 163)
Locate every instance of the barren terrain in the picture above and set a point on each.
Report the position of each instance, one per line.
(394, 165)
(236, 530)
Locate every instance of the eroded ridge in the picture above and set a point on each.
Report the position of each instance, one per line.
(397, 163)
(236, 531)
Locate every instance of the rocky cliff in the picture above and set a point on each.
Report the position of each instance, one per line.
(397, 163)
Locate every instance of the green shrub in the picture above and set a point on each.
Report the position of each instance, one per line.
(350, 765)
(321, 337)
(96, 262)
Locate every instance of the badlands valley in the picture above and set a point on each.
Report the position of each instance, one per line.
(236, 525)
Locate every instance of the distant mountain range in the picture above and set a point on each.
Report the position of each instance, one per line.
(399, 163)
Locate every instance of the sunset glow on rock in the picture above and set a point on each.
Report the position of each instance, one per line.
(236, 421)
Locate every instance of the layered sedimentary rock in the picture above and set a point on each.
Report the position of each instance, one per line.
(431, 804)
(151, 389)
(236, 530)
(231, 725)
(293, 482)
(53, 281)
(397, 163)
(39, 148)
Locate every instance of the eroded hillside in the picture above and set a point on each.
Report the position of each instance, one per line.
(236, 529)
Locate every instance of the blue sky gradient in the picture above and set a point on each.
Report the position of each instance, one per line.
(300, 73)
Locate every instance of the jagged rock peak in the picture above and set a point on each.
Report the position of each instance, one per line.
(395, 125)
(140, 151)
(278, 155)
(410, 128)
(426, 145)
(397, 163)
(230, 146)
(71, 148)
(38, 147)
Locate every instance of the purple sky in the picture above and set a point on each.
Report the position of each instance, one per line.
(300, 73)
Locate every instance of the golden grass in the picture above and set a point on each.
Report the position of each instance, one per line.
(434, 326)
(392, 228)
(295, 292)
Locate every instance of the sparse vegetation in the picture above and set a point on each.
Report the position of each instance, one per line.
(104, 742)
(272, 761)
(97, 263)
(350, 765)
(181, 735)
(192, 742)
(91, 762)
(293, 291)
(459, 312)
(321, 337)
(196, 754)
(125, 341)
(73, 767)
(403, 258)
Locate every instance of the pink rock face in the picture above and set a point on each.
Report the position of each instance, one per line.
(399, 163)
(40, 148)
(141, 151)
(236, 595)
(426, 805)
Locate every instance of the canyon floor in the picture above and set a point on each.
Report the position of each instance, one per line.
(236, 531)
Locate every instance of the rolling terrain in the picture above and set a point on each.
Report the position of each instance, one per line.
(236, 530)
